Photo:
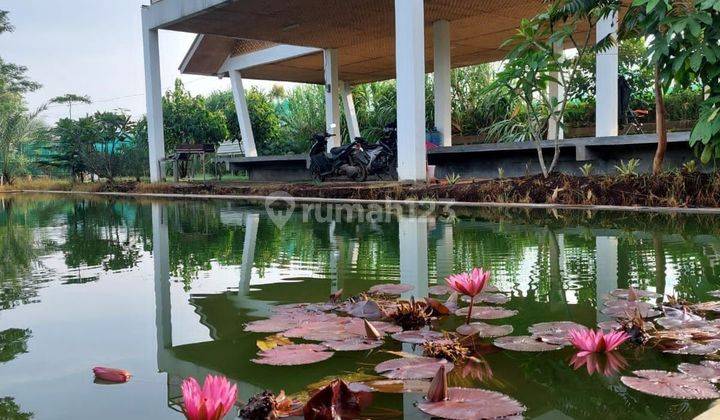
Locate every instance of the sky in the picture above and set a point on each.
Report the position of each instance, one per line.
(94, 48)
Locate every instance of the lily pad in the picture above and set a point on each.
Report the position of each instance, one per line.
(707, 369)
(417, 337)
(412, 367)
(671, 385)
(626, 309)
(439, 290)
(525, 343)
(353, 344)
(696, 348)
(677, 319)
(286, 321)
(368, 309)
(293, 355)
(713, 306)
(609, 325)
(485, 330)
(555, 332)
(391, 289)
(487, 312)
(397, 386)
(625, 293)
(472, 403)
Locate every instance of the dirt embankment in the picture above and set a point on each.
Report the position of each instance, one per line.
(672, 189)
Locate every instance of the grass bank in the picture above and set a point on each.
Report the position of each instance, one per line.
(670, 189)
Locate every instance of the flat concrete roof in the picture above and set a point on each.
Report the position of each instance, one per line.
(361, 30)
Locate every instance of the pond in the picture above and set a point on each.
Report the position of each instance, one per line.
(164, 290)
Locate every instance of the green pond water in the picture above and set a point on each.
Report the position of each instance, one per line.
(163, 290)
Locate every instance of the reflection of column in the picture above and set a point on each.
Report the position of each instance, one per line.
(161, 270)
(660, 274)
(557, 291)
(444, 261)
(414, 254)
(561, 247)
(248, 258)
(606, 270)
(333, 259)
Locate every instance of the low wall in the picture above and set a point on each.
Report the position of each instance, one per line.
(515, 159)
(520, 159)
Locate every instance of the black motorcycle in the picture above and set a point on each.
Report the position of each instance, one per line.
(349, 160)
(383, 154)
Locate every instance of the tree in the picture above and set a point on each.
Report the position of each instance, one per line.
(18, 128)
(67, 150)
(188, 120)
(532, 64)
(106, 154)
(69, 99)
(685, 50)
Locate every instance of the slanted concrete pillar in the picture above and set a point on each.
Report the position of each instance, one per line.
(410, 69)
(442, 93)
(252, 220)
(332, 106)
(606, 82)
(243, 114)
(350, 113)
(556, 91)
(413, 237)
(606, 270)
(153, 99)
(161, 272)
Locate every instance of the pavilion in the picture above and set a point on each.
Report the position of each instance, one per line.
(341, 43)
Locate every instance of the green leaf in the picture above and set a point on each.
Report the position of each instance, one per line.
(706, 154)
(696, 61)
(651, 5)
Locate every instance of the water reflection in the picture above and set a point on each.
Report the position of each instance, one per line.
(235, 264)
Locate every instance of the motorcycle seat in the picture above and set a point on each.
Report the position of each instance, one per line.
(337, 150)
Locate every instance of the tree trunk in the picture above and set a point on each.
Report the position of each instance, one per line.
(660, 124)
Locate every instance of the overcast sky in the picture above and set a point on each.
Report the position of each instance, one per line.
(92, 47)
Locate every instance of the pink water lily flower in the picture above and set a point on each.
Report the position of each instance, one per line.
(469, 284)
(111, 374)
(211, 402)
(590, 341)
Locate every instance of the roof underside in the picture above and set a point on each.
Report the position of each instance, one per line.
(361, 30)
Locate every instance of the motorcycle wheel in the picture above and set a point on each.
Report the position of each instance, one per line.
(362, 175)
(316, 174)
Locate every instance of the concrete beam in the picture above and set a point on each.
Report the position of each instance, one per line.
(267, 56)
(442, 93)
(153, 99)
(410, 70)
(606, 82)
(332, 93)
(167, 12)
(349, 108)
(243, 114)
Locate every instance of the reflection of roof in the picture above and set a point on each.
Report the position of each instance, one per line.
(361, 30)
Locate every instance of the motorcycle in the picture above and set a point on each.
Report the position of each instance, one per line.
(349, 160)
(383, 154)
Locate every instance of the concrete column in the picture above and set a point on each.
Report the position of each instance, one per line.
(606, 82)
(442, 90)
(556, 91)
(153, 99)
(161, 272)
(350, 113)
(413, 237)
(606, 270)
(332, 106)
(243, 114)
(252, 220)
(410, 69)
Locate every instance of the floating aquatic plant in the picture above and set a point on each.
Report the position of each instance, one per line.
(473, 403)
(412, 367)
(111, 375)
(482, 329)
(211, 402)
(266, 405)
(671, 385)
(391, 289)
(525, 343)
(469, 284)
(448, 348)
(485, 312)
(417, 336)
(590, 341)
(556, 332)
(336, 401)
(412, 315)
(707, 369)
(294, 354)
